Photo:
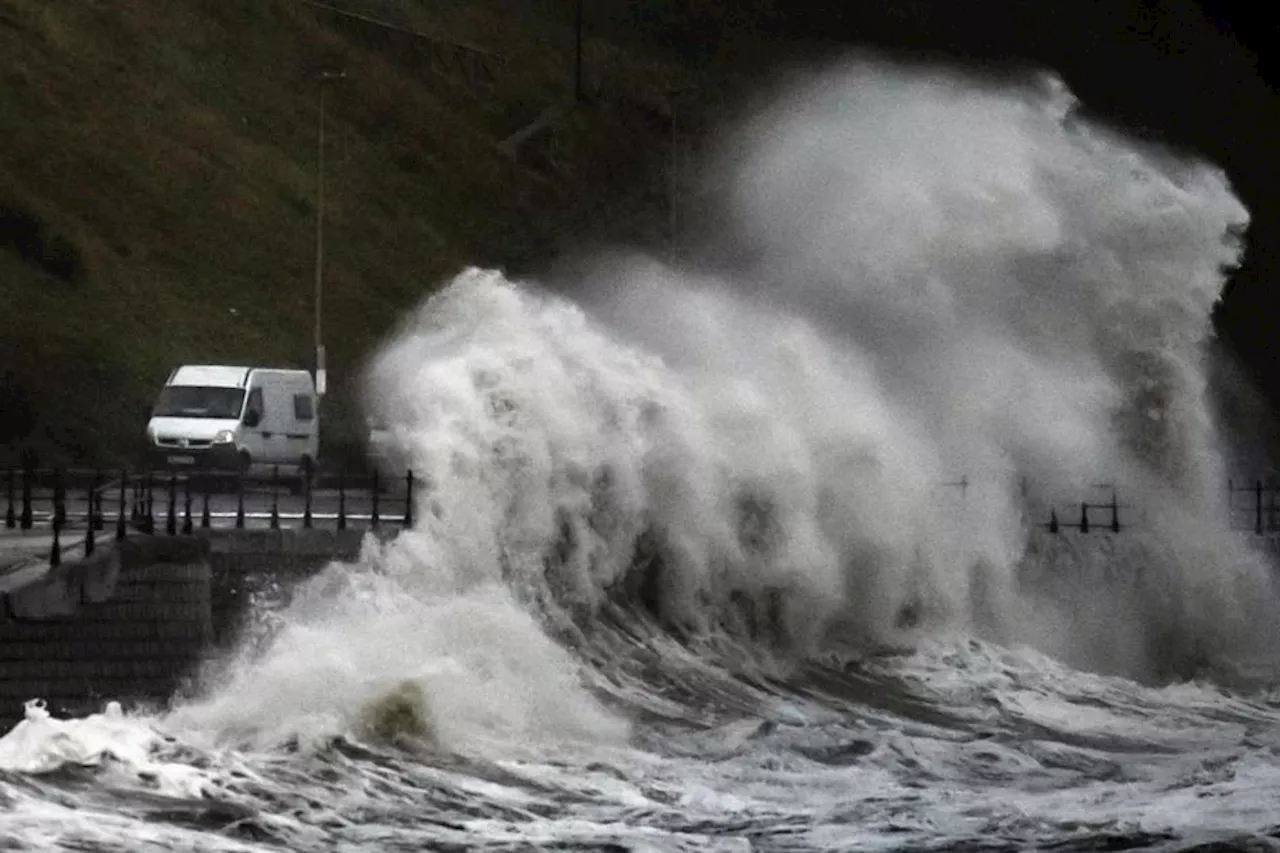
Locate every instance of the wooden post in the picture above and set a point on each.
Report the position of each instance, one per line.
(1084, 518)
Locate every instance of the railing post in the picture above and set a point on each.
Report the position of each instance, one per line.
(342, 498)
(28, 473)
(89, 540)
(373, 512)
(1084, 518)
(149, 504)
(1115, 512)
(59, 497)
(187, 526)
(1053, 521)
(206, 520)
(275, 497)
(408, 500)
(55, 550)
(1257, 507)
(306, 493)
(240, 502)
(171, 517)
(121, 530)
(90, 516)
(100, 502)
(11, 490)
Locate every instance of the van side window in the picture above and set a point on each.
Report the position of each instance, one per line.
(254, 404)
(303, 407)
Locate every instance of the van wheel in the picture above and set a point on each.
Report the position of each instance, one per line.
(244, 463)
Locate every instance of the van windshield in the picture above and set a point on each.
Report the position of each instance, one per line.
(193, 401)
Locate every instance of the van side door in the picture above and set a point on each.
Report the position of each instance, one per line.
(254, 423)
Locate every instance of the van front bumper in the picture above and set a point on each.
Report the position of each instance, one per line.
(215, 457)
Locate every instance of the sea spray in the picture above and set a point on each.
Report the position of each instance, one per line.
(941, 279)
(958, 306)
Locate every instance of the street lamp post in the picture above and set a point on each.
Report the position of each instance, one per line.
(321, 376)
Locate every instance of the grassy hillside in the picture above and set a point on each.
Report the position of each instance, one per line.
(157, 185)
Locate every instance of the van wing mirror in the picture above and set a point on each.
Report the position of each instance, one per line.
(252, 418)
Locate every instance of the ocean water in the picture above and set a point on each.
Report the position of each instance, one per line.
(752, 554)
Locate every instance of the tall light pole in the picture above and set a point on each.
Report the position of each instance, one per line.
(323, 77)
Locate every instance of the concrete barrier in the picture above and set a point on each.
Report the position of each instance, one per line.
(135, 619)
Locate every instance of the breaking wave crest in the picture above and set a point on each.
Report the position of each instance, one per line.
(952, 309)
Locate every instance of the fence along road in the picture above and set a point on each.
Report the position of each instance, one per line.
(62, 514)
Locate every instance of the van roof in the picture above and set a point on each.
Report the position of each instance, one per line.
(221, 376)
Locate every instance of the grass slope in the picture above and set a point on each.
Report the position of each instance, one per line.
(157, 185)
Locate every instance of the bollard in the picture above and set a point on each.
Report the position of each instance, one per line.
(121, 530)
(275, 497)
(88, 541)
(11, 514)
(373, 512)
(187, 526)
(206, 519)
(342, 499)
(240, 502)
(306, 493)
(1053, 521)
(408, 500)
(1084, 518)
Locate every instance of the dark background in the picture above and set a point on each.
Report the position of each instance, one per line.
(1194, 75)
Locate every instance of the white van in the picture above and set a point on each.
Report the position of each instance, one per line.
(243, 419)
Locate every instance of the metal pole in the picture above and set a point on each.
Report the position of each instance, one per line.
(306, 492)
(121, 529)
(187, 524)
(275, 498)
(577, 54)
(319, 273)
(11, 514)
(408, 500)
(321, 383)
(26, 521)
(171, 519)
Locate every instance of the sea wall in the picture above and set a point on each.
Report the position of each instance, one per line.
(135, 620)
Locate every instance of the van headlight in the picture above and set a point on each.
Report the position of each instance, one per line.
(224, 436)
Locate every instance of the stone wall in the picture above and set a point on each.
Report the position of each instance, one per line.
(136, 619)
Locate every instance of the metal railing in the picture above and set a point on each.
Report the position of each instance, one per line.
(85, 502)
